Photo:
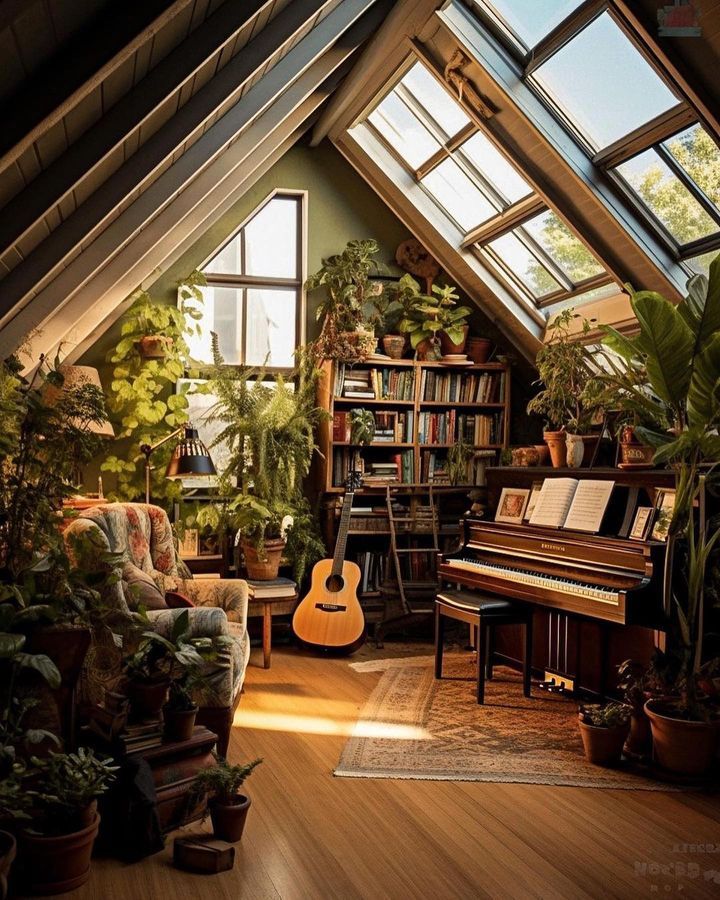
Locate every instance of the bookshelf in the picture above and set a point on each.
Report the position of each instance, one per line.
(421, 409)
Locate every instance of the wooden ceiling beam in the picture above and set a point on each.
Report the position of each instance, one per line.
(68, 171)
(75, 71)
(180, 203)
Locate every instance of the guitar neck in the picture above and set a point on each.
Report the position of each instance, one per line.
(341, 542)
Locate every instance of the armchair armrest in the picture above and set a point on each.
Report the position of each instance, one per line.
(204, 621)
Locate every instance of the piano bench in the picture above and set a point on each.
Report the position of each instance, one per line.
(483, 612)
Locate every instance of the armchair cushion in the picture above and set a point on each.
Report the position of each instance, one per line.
(141, 590)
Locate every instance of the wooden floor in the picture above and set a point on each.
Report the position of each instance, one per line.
(310, 835)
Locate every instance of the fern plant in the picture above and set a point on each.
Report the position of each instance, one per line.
(142, 401)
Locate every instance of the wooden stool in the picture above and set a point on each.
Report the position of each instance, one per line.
(484, 613)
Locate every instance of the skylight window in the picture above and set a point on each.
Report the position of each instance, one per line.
(520, 263)
(433, 98)
(404, 131)
(561, 245)
(495, 169)
(457, 194)
(602, 84)
(528, 21)
(699, 157)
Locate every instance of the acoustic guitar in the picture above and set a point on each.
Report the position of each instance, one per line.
(330, 616)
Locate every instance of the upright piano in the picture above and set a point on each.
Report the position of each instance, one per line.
(591, 590)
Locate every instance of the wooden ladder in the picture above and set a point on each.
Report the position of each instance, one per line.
(415, 599)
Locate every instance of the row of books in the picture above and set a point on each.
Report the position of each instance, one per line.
(390, 427)
(437, 428)
(478, 430)
(399, 468)
(458, 387)
(434, 467)
(374, 384)
(373, 565)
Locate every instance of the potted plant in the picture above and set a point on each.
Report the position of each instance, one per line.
(221, 783)
(569, 399)
(390, 308)
(459, 456)
(14, 809)
(346, 278)
(431, 317)
(671, 371)
(362, 426)
(262, 535)
(603, 730)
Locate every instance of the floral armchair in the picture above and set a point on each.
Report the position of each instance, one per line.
(149, 575)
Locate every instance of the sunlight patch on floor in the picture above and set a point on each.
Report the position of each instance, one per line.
(289, 722)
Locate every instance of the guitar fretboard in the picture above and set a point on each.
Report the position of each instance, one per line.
(341, 543)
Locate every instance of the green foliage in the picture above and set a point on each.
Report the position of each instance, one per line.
(222, 781)
(459, 455)
(362, 426)
(609, 715)
(570, 396)
(142, 401)
(64, 785)
(426, 316)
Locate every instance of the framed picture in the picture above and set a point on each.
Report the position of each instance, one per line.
(664, 503)
(512, 505)
(535, 489)
(641, 523)
(190, 544)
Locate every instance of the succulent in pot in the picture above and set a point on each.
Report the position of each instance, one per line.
(228, 808)
(604, 729)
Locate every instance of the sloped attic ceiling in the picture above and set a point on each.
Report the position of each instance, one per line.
(128, 132)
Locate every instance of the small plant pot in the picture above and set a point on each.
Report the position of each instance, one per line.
(263, 568)
(603, 746)
(680, 746)
(639, 740)
(633, 454)
(228, 819)
(428, 350)
(155, 346)
(8, 849)
(555, 441)
(147, 698)
(447, 346)
(478, 349)
(394, 345)
(58, 863)
(178, 724)
(543, 454)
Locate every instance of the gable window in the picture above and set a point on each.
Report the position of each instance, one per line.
(253, 297)
(472, 181)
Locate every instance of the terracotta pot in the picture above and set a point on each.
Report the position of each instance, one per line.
(267, 567)
(555, 441)
(682, 747)
(478, 349)
(639, 741)
(580, 449)
(147, 698)
(525, 456)
(428, 350)
(8, 849)
(228, 819)
(53, 865)
(447, 346)
(179, 724)
(632, 452)
(154, 346)
(394, 345)
(543, 454)
(603, 746)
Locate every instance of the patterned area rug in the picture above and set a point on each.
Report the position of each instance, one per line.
(416, 727)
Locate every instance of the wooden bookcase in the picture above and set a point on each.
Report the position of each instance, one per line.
(369, 531)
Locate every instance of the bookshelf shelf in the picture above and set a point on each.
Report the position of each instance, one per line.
(444, 404)
(374, 444)
(366, 401)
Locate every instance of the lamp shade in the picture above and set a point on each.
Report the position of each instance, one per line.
(74, 377)
(190, 457)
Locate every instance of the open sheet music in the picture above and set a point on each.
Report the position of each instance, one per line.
(572, 503)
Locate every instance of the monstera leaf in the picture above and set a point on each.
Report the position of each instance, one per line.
(703, 400)
(701, 308)
(667, 343)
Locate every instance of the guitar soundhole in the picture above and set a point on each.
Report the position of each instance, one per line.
(335, 584)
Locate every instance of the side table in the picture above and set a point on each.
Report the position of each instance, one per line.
(267, 607)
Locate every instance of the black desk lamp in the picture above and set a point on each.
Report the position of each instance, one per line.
(190, 457)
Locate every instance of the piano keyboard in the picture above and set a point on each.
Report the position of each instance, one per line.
(537, 579)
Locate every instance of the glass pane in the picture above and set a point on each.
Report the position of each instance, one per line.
(667, 197)
(490, 162)
(270, 327)
(222, 313)
(271, 240)
(699, 155)
(520, 261)
(228, 261)
(561, 245)
(404, 131)
(531, 20)
(700, 265)
(603, 84)
(454, 191)
(435, 99)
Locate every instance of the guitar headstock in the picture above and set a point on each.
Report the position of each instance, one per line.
(353, 480)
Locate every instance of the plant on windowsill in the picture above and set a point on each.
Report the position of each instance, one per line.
(142, 400)
(570, 399)
(671, 370)
(346, 278)
(435, 325)
(603, 730)
(221, 783)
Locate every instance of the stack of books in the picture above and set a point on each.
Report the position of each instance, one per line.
(141, 736)
(382, 473)
(358, 384)
(277, 588)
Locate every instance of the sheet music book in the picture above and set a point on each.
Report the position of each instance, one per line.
(578, 504)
